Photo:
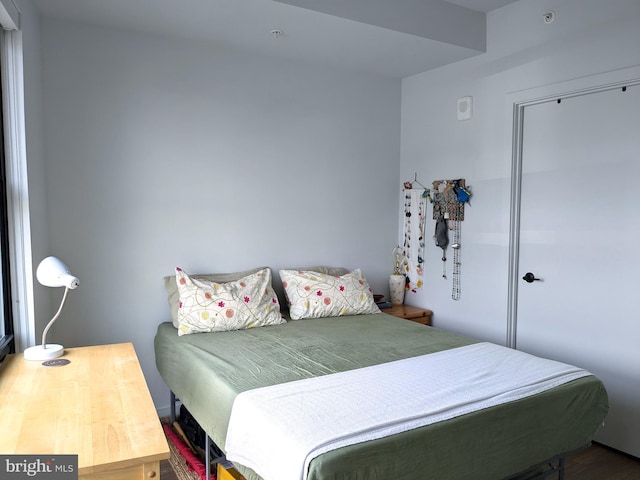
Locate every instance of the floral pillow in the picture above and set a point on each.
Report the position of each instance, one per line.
(209, 306)
(173, 295)
(315, 295)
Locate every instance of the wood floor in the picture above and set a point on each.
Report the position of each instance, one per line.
(166, 472)
(601, 463)
(594, 463)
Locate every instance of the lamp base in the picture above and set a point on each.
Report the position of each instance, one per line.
(40, 352)
(397, 283)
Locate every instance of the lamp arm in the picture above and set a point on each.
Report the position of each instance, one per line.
(55, 317)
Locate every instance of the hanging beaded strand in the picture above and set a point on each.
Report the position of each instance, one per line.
(455, 289)
(422, 212)
(415, 269)
(407, 222)
(462, 196)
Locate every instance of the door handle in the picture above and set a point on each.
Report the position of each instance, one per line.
(530, 278)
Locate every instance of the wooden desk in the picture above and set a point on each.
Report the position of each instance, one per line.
(408, 312)
(98, 407)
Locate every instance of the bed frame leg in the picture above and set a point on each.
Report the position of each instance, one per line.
(207, 440)
(172, 404)
(561, 465)
(544, 470)
(207, 457)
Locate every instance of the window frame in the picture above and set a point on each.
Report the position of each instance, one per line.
(18, 217)
(7, 343)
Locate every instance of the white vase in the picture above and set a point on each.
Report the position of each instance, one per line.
(396, 288)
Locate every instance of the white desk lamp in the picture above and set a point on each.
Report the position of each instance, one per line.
(52, 273)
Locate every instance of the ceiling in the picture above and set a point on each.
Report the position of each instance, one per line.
(394, 38)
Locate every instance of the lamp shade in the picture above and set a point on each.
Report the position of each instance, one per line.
(399, 261)
(53, 273)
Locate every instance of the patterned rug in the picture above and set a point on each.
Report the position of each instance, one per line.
(185, 463)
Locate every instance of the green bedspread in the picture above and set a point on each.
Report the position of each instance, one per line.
(207, 370)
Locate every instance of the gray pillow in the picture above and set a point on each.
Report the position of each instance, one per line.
(333, 271)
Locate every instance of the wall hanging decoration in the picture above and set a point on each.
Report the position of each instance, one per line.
(441, 237)
(415, 214)
(449, 198)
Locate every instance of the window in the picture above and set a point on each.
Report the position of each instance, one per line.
(16, 276)
(7, 345)
(6, 314)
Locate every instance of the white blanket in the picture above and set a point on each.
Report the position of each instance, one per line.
(278, 430)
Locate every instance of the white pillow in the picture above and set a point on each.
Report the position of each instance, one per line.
(209, 306)
(314, 295)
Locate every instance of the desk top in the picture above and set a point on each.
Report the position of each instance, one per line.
(98, 407)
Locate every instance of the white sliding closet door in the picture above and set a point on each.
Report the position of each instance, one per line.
(580, 235)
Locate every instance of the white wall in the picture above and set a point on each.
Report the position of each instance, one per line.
(161, 152)
(587, 37)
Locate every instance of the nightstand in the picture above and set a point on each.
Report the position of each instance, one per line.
(409, 312)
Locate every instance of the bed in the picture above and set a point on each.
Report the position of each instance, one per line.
(207, 371)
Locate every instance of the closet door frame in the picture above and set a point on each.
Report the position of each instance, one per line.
(515, 109)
